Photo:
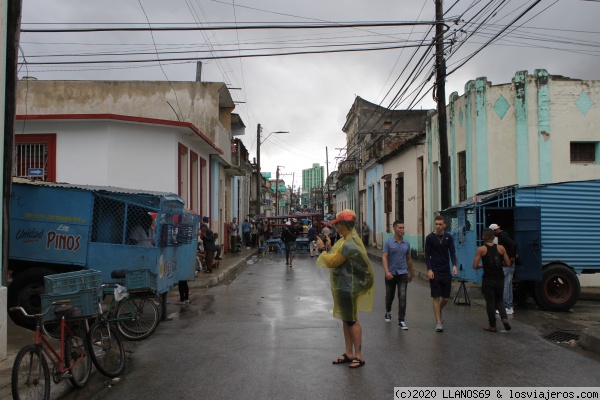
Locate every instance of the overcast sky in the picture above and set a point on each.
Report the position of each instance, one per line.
(309, 96)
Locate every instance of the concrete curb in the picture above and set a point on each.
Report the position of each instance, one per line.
(223, 274)
(590, 339)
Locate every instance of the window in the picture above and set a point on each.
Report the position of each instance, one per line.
(194, 183)
(183, 172)
(400, 198)
(387, 196)
(462, 176)
(35, 156)
(583, 152)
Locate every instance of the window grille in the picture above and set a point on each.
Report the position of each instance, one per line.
(30, 155)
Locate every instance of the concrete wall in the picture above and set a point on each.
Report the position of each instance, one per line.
(195, 102)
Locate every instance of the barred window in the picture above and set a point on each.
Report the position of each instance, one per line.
(583, 152)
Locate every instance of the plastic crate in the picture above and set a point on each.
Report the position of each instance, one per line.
(85, 302)
(72, 282)
(137, 279)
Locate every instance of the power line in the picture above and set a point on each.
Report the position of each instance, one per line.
(219, 57)
(230, 28)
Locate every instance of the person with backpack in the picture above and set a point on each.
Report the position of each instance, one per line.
(493, 258)
(510, 245)
(288, 236)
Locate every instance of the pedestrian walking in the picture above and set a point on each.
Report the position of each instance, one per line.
(352, 286)
(208, 238)
(493, 257)
(246, 232)
(233, 235)
(511, 248)
(439, 251)
(288, 236)
(366, 232)
(398, 270)
(312, 240)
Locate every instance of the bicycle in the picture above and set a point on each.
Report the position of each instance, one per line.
(137, 314)
(108, 352)
(30, 373)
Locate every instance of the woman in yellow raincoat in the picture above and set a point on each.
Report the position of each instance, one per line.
(352, 285)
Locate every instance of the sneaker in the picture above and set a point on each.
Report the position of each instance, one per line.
(388, 317)
(402, 325)
(180, 303)
(510, 311)
(287, 264)
(218, 258)
(187, 302)
(490, 329)
(439, 327)
(506, 325)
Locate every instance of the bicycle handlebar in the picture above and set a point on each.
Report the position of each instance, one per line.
(22, 310)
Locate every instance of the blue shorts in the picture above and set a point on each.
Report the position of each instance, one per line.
(441, 285)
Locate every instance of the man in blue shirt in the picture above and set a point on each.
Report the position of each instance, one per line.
(246, 232)
(439, 250)
(398, 269)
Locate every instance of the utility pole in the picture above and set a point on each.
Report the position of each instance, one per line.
(258, 175)
(327, 182)
(277, 191)
(440, 95)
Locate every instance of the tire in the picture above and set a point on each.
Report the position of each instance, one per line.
(77, 356)
(137, 317)
(30, 374)
(559, 288)
(24, 291)
(106, 349)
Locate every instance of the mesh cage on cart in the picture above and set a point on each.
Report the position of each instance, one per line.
(119, 220)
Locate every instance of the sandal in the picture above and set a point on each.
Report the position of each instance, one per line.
(342, 360)
(356, 363)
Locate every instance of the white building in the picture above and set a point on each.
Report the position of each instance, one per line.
(175, 137)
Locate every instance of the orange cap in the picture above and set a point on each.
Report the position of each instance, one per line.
(346, 215)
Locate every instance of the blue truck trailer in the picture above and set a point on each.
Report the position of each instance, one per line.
(555, 226)
(56, 227)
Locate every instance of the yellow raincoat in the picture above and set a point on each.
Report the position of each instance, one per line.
(351, 276)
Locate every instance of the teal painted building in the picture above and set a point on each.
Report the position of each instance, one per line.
(537, 129)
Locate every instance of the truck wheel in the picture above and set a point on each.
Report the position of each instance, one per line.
(558, 290)
(24, 291)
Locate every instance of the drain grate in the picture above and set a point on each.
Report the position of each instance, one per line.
(561, 337)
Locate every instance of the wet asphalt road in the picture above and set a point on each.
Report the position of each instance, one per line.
(270, 335)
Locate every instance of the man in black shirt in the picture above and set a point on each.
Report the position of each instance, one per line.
(288, 236)
(493, 257)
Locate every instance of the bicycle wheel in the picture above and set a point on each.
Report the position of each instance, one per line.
(30, 374)
(77, 358)
(137, 317)
(106, 349)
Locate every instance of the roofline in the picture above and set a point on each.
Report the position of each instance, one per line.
(118, 117)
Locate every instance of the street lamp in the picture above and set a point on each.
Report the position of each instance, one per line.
(258, 175)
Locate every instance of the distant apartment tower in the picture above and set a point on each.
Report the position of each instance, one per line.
(312, 182)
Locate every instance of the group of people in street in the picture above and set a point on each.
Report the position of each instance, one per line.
(352, 279)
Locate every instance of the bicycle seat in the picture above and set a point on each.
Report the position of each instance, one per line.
(118, 274)
(64, 310)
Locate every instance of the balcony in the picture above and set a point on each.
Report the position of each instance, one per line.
(239, 166)
(346, 172)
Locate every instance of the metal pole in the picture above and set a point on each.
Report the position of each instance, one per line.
(258, 175)
(441, 104)
(277, 191)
